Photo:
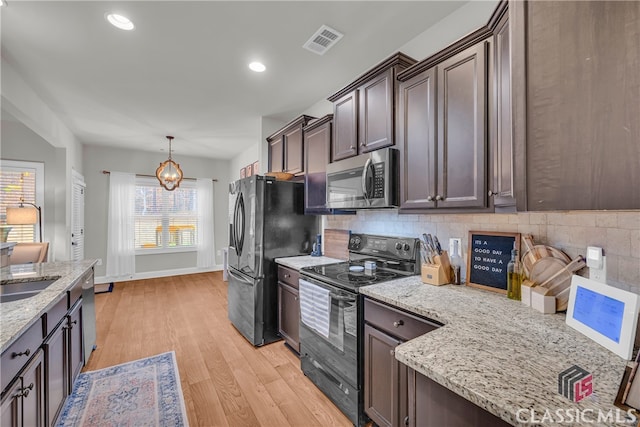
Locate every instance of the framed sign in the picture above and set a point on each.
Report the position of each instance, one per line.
(488, 256)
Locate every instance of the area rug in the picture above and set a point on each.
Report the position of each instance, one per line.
(144, 392)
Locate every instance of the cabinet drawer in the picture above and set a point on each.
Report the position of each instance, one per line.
(288, 276)
(396, 322)
(55, 315)
(14, 358)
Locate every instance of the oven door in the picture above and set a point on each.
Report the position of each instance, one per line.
(329, 342)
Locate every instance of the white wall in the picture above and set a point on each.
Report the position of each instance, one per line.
(21, 143)
(44, 128)
(247, 157)
(456, 25)
(98, 158)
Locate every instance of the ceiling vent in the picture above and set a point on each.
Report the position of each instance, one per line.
(323, 40)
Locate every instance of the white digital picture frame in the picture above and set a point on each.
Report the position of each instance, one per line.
(607, 315)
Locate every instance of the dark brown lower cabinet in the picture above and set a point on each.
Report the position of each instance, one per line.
(385, 396)
(24, 403)
(289, 315)
(385, 379)
(289, 307)
(64, 352)
(431, 404)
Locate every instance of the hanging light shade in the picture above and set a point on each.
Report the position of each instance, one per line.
(169, 173)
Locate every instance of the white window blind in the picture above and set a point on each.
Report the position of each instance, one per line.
(165, 219)
(20, 180)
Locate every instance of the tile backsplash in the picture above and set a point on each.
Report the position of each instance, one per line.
(618, 232)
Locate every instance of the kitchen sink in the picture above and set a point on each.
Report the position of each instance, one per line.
(21, 290)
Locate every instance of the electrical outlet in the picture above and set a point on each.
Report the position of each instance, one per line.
(99, 262)
(452, 245)
(219, 252)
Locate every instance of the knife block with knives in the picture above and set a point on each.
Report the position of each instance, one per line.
(436, 269)
(438, 273)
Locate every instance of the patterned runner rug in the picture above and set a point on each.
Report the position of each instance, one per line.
(144, 392)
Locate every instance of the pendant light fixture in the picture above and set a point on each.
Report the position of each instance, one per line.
(169, 173)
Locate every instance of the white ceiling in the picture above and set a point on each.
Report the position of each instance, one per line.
(183, 70)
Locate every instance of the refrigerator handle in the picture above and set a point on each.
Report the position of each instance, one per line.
(234, 229)
(241, 214)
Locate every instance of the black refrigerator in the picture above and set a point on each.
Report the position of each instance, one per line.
(267, 221)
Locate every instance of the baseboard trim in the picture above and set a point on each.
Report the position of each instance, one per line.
(158, 273)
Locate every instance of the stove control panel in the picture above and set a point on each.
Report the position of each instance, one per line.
(404, 248)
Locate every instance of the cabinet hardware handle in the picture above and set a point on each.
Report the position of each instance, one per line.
(439, 197)
(286, 276)
(398, 323)
(492, 193)
(296, 298)
(24, 391)
(352, 147)
(362, 144)
(392, 352)
(22, 353)
(406, 420)
(430, 199)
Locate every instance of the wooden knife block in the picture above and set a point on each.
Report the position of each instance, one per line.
(439, 273)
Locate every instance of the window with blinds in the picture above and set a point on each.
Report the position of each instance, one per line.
(20, 181)
(165, 219)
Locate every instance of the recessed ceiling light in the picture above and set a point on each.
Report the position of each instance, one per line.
(3, 3)
(258, 67)
(120, 21)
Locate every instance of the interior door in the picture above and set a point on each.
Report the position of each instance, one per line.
(77, 217)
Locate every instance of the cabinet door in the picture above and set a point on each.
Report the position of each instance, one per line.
(317, 146)
(345, 127)
(33, 403)
(461, 129)
(276, 154)
(582, 109)
(431, 404)
(289, 315)
(385, 379)
(294, 151)
(76, 355)
(501, 132)
(11, 409)
(417, 141)
(375, 110)
(57, 356)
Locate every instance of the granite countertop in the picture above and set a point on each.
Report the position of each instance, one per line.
(501, 355)
(298, 262)
(17, 316)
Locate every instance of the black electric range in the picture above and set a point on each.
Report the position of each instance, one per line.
(331, 349)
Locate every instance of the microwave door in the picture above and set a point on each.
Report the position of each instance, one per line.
(344, 189)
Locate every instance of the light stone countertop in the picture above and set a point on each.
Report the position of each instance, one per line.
(17, 316)
(501, 355)
(298, 262)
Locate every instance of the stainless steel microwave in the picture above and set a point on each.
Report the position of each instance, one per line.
(369, 180)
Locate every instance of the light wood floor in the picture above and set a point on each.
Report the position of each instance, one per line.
(225, 380)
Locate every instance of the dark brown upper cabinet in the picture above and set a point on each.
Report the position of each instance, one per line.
(576, 89)
(364, 111)
(502, 183)
(317, 150)
(445, 132)
(286, 147)
(442, 133)
(276, 153)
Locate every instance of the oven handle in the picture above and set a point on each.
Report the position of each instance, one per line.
(342, 297)
(330, 377)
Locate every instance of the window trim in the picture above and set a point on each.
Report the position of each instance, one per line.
(39, 201)
(145, 181)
